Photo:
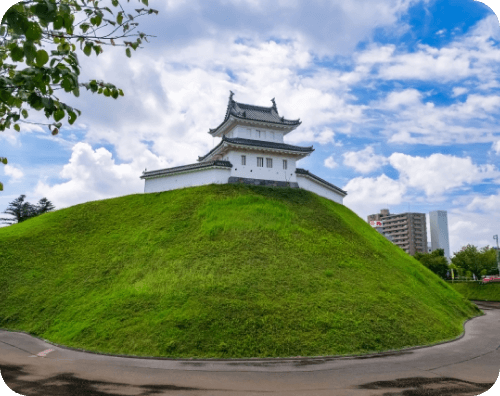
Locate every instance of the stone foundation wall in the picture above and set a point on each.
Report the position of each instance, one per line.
(261, 182)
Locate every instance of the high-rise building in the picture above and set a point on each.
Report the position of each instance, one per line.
(438, 221)
(407, 230)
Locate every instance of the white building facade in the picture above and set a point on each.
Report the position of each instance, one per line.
(438, 221)
(252, 151)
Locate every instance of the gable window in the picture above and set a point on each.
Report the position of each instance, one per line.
(243, 160)
(269, 162)
(285, 164)
(260, 162)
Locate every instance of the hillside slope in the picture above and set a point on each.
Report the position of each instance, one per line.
(219, 271)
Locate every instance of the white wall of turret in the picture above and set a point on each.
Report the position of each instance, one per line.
(272, 165)
(267, 135)
(198, 177)
(314, 186)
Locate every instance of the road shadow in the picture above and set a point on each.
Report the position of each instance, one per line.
(421, 386)
(67, 384)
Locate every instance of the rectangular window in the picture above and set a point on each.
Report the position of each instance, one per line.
(243, 160)
(260, 162)
(269, 162)
(285, 164)
(257, 133)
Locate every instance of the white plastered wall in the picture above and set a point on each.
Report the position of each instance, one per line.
(311, 185)
(181, 180)
(250, 170)
(268, 135)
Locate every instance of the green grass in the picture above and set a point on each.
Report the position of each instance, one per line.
(220, 271)
(478, 291)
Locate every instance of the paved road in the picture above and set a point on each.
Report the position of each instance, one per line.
(465, 367)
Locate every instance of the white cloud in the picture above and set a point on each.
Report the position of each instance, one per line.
(364, 161)
(93, 174)
(486, 204)
(330, 162)
(496, 147)
(440, 173)
(457, 91)
(15, 173)
(470, 227)
(398, 99)
(367, 194)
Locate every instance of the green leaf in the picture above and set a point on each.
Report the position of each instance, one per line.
(76, 92)
(71, 117)
(114, 94)
(29, 52)
(119, 18)
(41, 58)
(15, 20)
(58, 22)
(59, 115)
(115, 3)
(34, 31)
(55, 131)
(120, 92)
(84, 27)
(4, 161)
(24, 112)
(1, 186)
(145, 2)
(106, 92)
(17, 54)
(87, 50)
(67, 86)
(67, 22)
(17, 127)
(127, 51)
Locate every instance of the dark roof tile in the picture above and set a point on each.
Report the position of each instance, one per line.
(183, 168)
(259, 143)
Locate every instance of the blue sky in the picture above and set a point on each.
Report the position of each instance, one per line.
(400, 99)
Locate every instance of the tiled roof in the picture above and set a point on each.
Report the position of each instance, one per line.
(255, 113)
(259, 143)
(307, 173)
(183, 168)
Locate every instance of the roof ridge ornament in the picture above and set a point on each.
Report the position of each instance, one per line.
(231, 94)
(274, 105)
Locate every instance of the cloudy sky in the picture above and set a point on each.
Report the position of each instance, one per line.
(400, 99)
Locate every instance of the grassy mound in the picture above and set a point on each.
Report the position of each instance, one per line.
(219, 271)
(478, 291)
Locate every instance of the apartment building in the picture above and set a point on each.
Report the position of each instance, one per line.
(438, 221)
(407, 230)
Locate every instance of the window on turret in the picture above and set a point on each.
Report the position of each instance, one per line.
(260, 162)
(243, 160)
(285, 164)
(269, 162)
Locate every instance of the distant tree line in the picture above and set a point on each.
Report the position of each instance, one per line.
(469, 261)
(23, 210)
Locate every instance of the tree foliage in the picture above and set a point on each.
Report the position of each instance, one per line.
(22, 210)
(435, 261)
(38, 54)
(475, 260)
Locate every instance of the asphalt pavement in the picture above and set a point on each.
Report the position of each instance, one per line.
(468, 366)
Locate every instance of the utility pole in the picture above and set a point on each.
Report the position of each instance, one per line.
(495, 237)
